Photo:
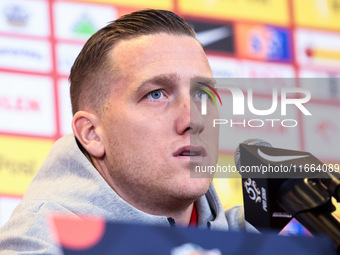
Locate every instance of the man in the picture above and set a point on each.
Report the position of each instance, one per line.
(137, 130)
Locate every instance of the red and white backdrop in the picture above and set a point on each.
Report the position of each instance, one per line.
(39, 40)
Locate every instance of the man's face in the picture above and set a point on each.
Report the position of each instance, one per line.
(148, 132)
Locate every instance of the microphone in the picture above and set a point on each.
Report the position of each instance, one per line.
(260, 206)
(280, 184)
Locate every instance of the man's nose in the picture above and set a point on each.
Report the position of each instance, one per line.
(189, 119)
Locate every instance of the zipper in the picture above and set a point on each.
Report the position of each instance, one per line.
(172, 222)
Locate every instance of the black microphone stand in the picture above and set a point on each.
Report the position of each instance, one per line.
(309, 201)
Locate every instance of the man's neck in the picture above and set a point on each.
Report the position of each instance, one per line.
(183, 218)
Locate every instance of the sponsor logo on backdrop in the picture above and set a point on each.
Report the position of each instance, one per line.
(16, 166)
(84, 26)
(19, 104)
(27, 105)
(81, 20)
(24, 54)
(214, 36)
(322, 53)
(263, 42)
(16, 15)
(25, 17)
(20, 159)
(318, 48)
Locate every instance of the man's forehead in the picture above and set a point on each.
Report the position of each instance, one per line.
(172, 78)
(154, 59)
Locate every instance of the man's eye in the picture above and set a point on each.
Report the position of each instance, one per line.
(198, 94)
(155, 95)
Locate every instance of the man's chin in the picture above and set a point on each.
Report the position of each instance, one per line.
(198, 187)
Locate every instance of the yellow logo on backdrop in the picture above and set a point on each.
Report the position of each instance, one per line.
(317, 13)
(20, 158)
(270, 11)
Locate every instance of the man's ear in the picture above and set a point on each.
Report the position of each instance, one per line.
(86, 128)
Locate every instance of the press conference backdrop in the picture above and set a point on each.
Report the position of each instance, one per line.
(40, 39)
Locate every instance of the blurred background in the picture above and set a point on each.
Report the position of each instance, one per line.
(284, 39)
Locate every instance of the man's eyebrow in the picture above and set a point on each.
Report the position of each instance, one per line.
(198, 80)
(164, 79)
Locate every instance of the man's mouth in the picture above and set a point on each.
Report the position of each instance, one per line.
(190, 151)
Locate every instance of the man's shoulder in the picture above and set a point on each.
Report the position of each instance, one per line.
(29, 230)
